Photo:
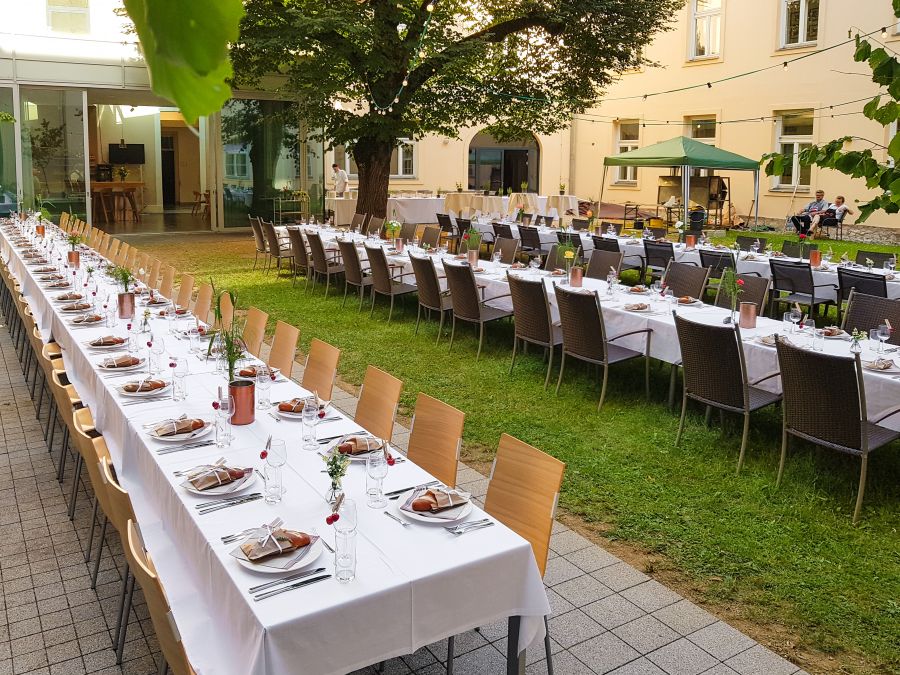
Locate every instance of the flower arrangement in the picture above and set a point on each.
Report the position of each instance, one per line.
(566, 252)
(74, 240)
(336, 467)
(562, 188)
(524, 186)
(145, 322)
(508, 191)
(122, 276)
(231, 342)
(803, 240)
(472, 239)
(392, 229)
(733, 286)
(121, 172)
(856, 337)
(458, 186)
(870, 263)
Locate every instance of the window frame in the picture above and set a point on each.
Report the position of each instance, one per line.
(689, 132)
(706, 16)
(626, 175)
(231, 175)
(53, 9)
(798, 141)
(802, 28)
(407, 151)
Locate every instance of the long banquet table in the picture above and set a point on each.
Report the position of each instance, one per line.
(414, 585)
(405, 209)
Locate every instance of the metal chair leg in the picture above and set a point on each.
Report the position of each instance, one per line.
(451, 643)
(547, 646)
(681, 421)
(73, 495)
(480, 339)
(744, 437)
(784, 448)
(96, 570)
(452, 333)
(162, 666)
(603, 386)
(126, 610)
(418, 318)
(512, 363)
(90, 545)
(562, 369)
(862, 488)
(125, 574)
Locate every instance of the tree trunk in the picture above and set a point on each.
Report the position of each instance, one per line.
(373, 160)
(265, 148)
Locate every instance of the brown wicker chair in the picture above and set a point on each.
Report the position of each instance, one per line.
(323, 264)
(466, 303)
(756, 288)
(796, 280)
(579, 223)
(301, 255)
(601, 262)
(431, 236)
(258, 239)
(686, 279)
(533, 321)
(657, 255)
(715, 374)
(793, 249)
(629, 262)
(573, 238)
(531, 242)
(501, 230)
(358, 222)
(278, 250)
(354, 273)
(408, 232)
(374, 226)
(833, 416)
(383, 281)
(745, 243)
(507, 248)
(865, 312)
(431, 297)
(447, 230)
(584, 337)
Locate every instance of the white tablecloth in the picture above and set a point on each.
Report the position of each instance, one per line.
(405, 209)
(563, 204)
(461, 203)
(413, 587)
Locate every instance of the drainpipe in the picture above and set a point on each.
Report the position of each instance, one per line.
(573, 135)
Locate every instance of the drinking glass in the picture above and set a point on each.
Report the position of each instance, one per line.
(348, 517)
(884, 334)
(194, 342)
(808, 328)
(787, 323)
(275, 459)
(535, 264)
(796, 315)
(344, 555)
(223, 421)
(754, 247)
(376, 470)
(889, 265)
(157, 349)
(310, 420)
(263, 387)
(171, 317)
(179, 377)
(496, 258)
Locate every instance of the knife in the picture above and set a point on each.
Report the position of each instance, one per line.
(216, 502)
(225, 505)
(278, 582)
(299, 584)
(188, 446)
(411, 487)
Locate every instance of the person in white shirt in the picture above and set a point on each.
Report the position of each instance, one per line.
(830, 217)
(339, 176)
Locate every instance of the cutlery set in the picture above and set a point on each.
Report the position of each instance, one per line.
(227, 503)
(186, 446)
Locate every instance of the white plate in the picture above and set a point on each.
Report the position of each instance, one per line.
(463, 513)
(145, 394)
(184, 438)
(843, 335)
(79, 324)
(68, 300)
(690, 304)
(230, 488)
(315, 550)
(253, 379)
(125, 369)
(70, 310)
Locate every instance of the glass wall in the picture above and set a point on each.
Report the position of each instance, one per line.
(53, 166)
(7, 154)
(503, 166)
(270, 170)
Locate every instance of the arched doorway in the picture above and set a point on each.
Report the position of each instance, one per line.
(496, 165)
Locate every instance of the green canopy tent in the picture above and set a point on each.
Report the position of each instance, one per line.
(687, 154)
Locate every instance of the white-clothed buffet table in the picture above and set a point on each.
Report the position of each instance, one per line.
(404, 209)
(413, 585)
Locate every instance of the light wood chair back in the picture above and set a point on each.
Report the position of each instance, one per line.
(523, 493)
(103, 246)
(227, 309)
(203, 304)
(112, 250)
(92, 448)
(255, 330)
(65, 395)
(378, 401)
(435, 438)
(321, 368)
(284, 348)
(145, 575)
(130, 258)
(185, 291)
(167, 282)
(118, 500)
(64, 221)
(122, 253)
(154, 276)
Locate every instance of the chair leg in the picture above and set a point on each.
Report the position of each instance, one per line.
(480, 339)
(73, 495)
(450, 652)
(547, 646)
(372, 310)
(452, 333)
(684, 402)
(440, 326)
(784, 448)
(418, 319)
(647, 376)
(549, 367)
(125, 574)
(562, 368)
(90, 544)
(162, 666)
(391, 310)
(862, 487)
(126, 610)
(744, 441)
(673, 379)
(513, 362)
(346, 288)
(96, 569)
(603, 386)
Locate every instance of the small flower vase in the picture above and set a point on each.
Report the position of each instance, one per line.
(855, 347)
(126, 305)
(74, 258)
(576, 275)
(472, 255)
(334, 491)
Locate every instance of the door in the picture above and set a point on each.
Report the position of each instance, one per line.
(515, 169)
(9, 183)
(167, 146)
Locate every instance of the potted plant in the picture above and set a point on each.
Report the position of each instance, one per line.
(562, 188)
(122, 173)
(733, 287)
(509, 191)
(523, 186)
(458, 186)
(124, 277)
(472, 241)
(486, 188)
(231, 344)
(74, 256)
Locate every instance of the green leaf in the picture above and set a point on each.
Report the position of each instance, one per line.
(896, 6)
(894, 147)
(863, 50)
(870, 107)
(886, 113)
(185, 46)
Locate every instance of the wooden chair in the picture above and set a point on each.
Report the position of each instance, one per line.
(435, 438)
(128, 261)
(153, 275)
(171, 647)
(167, 282)
(64, 221)
(185, 291)
(284, 348)
(321, 368)
(122, 253)
(203, 303)
(227, 309)
(103, 244)
(140, 261)
(255, 330)
(378, 400)
(112, 251)
(67, 400)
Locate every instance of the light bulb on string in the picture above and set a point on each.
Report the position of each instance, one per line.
(884, 33)
(397, 99)
(421, 53)
(429, 7)
(405, 82)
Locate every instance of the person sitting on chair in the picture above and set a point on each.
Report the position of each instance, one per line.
(830, 217)
(803, 220)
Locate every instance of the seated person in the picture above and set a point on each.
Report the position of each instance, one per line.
(830, 217)
(803, 220)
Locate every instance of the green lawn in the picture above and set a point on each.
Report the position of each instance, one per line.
(786, 558)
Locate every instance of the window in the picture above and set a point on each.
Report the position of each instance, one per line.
(237, 165)
(795, 130)
(68, 16)
(706, 29)
(627, 135)
(800, 22)
(702, 129)
(403, 160)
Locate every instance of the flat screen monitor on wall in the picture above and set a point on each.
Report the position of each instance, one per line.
(132, 153)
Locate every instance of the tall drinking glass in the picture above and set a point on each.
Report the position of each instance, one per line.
(275, 459)
(310, 420)
(263, 387)
(376, 470)
(224, 411)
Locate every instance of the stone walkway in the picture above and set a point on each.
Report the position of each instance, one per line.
(608, 617)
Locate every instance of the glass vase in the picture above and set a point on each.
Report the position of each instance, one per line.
(334, 491)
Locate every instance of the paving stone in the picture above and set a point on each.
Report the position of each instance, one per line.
(640, 666)
(684, 617)
(592, 558)
(582, 590)
(573, 627)
(620, 576)
(760, 661)
(604, 653)
(568, 542)
(682, 657)
(560, 570)
(721, 640)
(646, 634)
(651, 596)
(613, 611)
(564, 663)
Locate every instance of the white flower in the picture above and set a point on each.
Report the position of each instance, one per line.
(141, 271)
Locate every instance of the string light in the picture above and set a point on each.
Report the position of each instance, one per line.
(784, 65)
(884, 33)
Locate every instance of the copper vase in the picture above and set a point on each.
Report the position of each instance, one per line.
(398, 244)
(473, 257)
(39, 230)
(576, 274)
(690, 241)
(815, 258)
(74, 258)
(126, 305)
(244, 394)
(748, 315)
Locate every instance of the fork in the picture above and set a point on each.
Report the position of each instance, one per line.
(459, 533)
(275, 417)
(464, 526)
(396, 519)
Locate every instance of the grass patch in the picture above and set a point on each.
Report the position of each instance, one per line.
(788, 557)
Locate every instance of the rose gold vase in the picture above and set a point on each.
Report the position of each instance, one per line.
(398, 244)
(244, 394)
(815, 258)
(39, 230)
(473, 257)
(690, 241)
(74, 258)
(126, 305)
(748, 315)
(576, 274)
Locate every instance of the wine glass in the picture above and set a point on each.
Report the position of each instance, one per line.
(310, 417)
(157, 349)
(754, 247)
(889, 265)
(179, 366)
(263, 386)
(884, 334)
(496, 257)
(796, 315)
(535, 264)
(376, 469)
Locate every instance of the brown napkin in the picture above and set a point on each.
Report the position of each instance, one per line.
(175, 427)
(357, 445)
(179, 311)
(143, 385)
(217, 476)
(51, 277)
(70, 296)
(433, 501)
(87, 318)
(637, 307)
(60, 284)
(107, 341)
(76, 307)
(879, 364)
(278, 542)
(832, 331)
(120, 362)
(640, 288)
(295, 405)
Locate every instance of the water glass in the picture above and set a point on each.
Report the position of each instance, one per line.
(194, 342)
(310, 420)
(157, 349)
(179, 378)
(263, 387)
(223, 421)
(808, 329)
(787, 323)
(376, 470)
(889, 265)
(276, 458)
(344, 555)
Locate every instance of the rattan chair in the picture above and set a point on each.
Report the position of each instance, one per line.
(301, 254)
(657, 255)
(376, 407)
(384, 281)
(255, 330)
(435, 438)
(466, 304)
(577, 223)
(408, 232)
(321, 368)
(686, 279)
(502, 230)
(795, 279)
(716, 262)
(533, 321)
(358, 222)
(745, 243)
(374, 226)
(793, 249)
(258, 239)
(448, 232)
(755, 290)
(715, 374)
(431, 236)
(507, 248)
(323, 264)
(832, 416)
(284, 348)
(601, 262)
(584, 337)
(878, 258)
(865, 312)
(354, 273)
(278, 249)
(571, 238)
(431, 297)
(629, 262)
(862, 282)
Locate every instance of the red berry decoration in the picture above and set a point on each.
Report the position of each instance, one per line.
(273, 376)
(391, 461)
(321, 414)
(149, 344)
(329, 519)
(264, 454)
(171, 364)
(215, 405)
(335, 517)
(128, 327)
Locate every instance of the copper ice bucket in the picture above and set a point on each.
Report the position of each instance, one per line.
(39, 230)
(690, 240)
(815, 258)
(244, 394)
(748, 315)
(473, 257)
(126, 305)
(74, 258)
(398, 244)
(576, 274)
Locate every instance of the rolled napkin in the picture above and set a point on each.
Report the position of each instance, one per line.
(357, 445)
(60, 284)
(179, 311)
(832, 331)
(107, 341)
(686, 300)
(777, 254)
(217, 476)
(120, 362)
(250, 371)
(749, 256)
(50, 277)
(768, 340)
(174, 427)
(879, 364)
(890, 277)
(70, 296)
(157, 301)
(640, 288)
(435, 501)
(558, 272)
(76, 307)
(45, 269)
(517, 266)
(295, 405)
(87, 318)
(273, 543)
(637, 307)
(146, 385)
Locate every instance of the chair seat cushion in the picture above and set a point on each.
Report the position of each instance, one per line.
(616, 353)
(760, 398)
(489, 313)
(879, 435)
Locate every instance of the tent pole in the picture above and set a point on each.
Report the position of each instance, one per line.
(685, 194)
(756, 198)
(602, 186)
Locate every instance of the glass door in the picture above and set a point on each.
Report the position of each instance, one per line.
(9, 184)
